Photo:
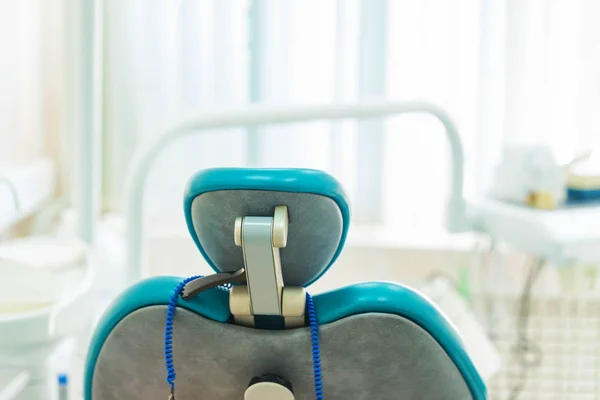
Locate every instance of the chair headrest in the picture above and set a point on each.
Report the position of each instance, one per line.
(317, 208)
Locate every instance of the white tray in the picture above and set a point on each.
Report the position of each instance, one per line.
(561, 236)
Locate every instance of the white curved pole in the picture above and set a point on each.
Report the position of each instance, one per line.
(262, 115)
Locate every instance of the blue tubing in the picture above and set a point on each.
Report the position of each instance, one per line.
(169, 331)
(316, 347)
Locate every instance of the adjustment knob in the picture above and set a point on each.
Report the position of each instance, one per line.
(269, 387)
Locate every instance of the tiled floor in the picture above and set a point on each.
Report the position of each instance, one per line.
(566, 330)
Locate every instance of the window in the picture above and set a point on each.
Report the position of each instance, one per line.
(470, 57)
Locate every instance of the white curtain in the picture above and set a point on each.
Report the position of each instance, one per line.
(32, 86)
(552, 73)
(164, 59)
(22, 82)
(506, 70)
(433, 55)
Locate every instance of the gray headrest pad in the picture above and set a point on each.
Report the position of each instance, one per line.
(364, 357)
(315, 229)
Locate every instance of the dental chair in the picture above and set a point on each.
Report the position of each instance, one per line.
(251, 330)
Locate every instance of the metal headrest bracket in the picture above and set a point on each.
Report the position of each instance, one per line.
(264, 293)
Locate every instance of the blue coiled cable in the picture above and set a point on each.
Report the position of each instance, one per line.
(169, 331)
(316, 347)
(172, 306)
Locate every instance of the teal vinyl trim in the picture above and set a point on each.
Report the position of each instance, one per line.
(373, 297)
(390, 298)
(280, 180)
(212, 304)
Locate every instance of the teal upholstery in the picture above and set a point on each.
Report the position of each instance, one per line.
(373, 298)
(352, 300)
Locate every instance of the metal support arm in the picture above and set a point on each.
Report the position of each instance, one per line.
(260, 116)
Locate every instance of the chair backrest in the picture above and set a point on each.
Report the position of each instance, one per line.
(376, 340)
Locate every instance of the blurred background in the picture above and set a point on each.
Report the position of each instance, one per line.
(84, 85)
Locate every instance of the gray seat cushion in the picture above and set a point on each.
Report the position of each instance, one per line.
(370, 356)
